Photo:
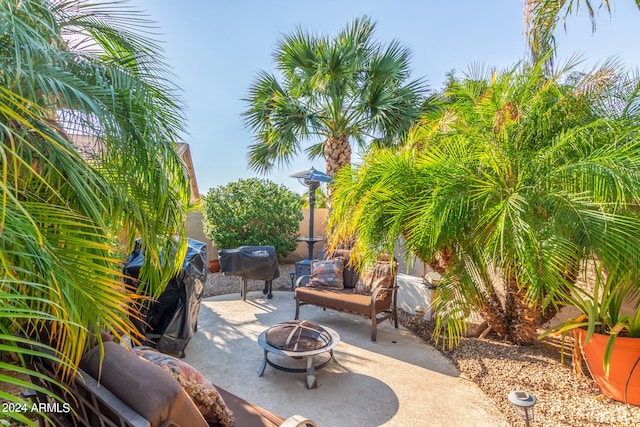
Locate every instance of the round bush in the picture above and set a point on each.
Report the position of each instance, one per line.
(253, 212)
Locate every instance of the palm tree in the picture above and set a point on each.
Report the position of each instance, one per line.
(542, 18)
(513, 184)
(331, 93)
(82, 66)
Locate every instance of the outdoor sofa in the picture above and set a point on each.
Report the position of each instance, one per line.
(371, 294)
(127, 391)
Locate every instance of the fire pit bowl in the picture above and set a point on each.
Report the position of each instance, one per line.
(298, 339)
(298, 336)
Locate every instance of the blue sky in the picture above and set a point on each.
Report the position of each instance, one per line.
(217, 47)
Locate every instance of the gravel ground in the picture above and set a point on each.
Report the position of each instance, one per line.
(498, 368)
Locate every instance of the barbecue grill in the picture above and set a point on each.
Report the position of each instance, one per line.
(251, 262)
(170, 321)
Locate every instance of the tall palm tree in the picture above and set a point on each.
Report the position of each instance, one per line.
(331, 93)
(517, 180)
(75, 65)
(542, 18)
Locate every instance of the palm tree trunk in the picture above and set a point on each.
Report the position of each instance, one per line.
(493, 314)
(441, 262)
(337, 153)
(524, 318)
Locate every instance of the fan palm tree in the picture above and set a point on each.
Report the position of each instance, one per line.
(517, 180)
(542, 18)
(331, 93)
(75, 65)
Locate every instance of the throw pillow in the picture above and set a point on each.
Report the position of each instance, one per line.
(198, 387)
(380, 274)
(327, 273)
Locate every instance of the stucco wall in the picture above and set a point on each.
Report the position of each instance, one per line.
(319, 225)
(195, 230)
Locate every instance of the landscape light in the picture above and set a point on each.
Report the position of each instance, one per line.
(523, 401)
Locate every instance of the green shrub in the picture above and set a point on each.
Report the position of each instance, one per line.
(253, 212)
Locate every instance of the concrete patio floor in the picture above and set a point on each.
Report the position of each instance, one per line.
(397, 381)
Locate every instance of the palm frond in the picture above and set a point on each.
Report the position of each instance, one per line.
(61, 213)
(522, 171)
(348, 86)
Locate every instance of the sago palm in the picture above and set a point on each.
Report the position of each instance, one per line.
(331, 93)
(74, 65)
(513, 183)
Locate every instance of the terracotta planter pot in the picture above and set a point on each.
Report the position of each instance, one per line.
(624, 356)
(214, 266)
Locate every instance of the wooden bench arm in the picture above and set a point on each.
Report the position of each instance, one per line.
(298, 421)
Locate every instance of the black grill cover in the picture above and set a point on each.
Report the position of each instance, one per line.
(250, 262)
(171, 321)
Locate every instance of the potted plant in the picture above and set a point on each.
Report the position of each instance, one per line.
(607, 336)
(214, 265)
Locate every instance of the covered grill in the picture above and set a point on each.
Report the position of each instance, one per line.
(169, 322)
(251, 262)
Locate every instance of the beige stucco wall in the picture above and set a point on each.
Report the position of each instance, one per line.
(195, 231)
(319, 225)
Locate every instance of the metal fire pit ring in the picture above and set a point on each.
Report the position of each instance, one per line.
(331, 337)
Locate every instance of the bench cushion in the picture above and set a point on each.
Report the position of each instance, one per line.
(342, 299)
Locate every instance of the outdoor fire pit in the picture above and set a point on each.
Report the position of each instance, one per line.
(298, 339)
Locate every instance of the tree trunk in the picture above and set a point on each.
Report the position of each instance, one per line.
(493, 313)
(441, 262)
(337, 153)
(523, 318)
(525, 325)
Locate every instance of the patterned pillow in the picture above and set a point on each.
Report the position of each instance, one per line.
(198, 387)
(380, 274)
(327, 273)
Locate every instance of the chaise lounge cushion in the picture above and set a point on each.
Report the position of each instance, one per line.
(343, 299)
(248, 414)
(203, 393)
(143, 386)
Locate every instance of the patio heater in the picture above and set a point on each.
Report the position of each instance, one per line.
(310, 178)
